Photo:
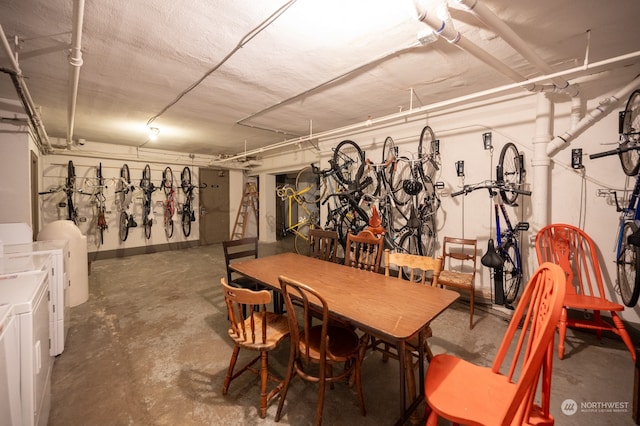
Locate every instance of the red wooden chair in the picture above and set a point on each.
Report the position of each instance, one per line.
(504, 393)
(575, 252)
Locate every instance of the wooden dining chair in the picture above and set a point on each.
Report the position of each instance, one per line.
(245, 249)
(323, 244)
(364, 251)
(504, 393)
(459, 268)
(256, 330)
(418, 270)
(323, 345)
(572, 249)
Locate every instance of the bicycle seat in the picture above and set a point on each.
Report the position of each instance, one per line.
(491, 259)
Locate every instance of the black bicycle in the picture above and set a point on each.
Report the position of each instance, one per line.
(188, 214)
(69, 188)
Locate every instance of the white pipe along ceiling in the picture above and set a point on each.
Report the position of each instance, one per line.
(330, 63)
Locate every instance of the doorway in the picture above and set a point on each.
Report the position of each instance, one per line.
(214, 206)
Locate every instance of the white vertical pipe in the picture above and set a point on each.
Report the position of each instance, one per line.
(541, 162)
(75, 62)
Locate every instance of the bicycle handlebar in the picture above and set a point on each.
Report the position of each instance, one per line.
(616, 151)
(501, 186)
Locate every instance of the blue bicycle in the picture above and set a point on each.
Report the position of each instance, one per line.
(628, 240)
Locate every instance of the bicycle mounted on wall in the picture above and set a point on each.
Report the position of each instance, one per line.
(628, 236)
(505, 259)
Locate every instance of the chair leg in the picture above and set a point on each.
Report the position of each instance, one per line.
(597, 318)
(411, 383)
(624, 335)
(562, 330)
(321, 390)
(232, 364)
(264, 380)
(433, 419)
(359, 386)
(287, 380)
(471, 299)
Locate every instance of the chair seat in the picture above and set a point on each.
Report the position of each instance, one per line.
(579, 301)
(486, 398)
(277, 329)
(244, 282)
(342, 343)
(455, 278)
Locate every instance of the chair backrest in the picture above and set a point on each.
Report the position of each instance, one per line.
(242, 305)
(529, 337)
(308, 303)
(239, 249)
(415, 267)
(459, 255)
(324, 244)
(364, 251)
(575, 252)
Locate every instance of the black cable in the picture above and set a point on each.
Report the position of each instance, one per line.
(246, 39)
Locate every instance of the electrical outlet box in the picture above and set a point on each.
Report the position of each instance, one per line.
(576, 158)
(436, 147)
(486, 140)
(460, 167)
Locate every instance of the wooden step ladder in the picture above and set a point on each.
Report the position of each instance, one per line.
(249, 201)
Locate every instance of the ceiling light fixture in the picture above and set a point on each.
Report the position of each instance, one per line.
(153, 133)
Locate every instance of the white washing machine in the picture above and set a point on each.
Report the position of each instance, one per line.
(10, 408)
(19, 263)
(59, 287)
(27, 294)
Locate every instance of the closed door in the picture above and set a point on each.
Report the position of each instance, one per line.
(214, 206)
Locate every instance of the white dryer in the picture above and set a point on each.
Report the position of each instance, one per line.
(27, 294)
(59, 287)
(10, 407)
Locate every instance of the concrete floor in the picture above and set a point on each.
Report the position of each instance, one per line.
(150, 348)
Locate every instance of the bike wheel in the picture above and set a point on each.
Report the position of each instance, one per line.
(145, 182)
(168, 222)
(350, 223)
(301, 241)
(167, 180)
(348, 162)
(427, 153)
(147, 229)
(389, 155)
(630, 160)
(123, 226)
(511, 275)
(185, 179)
(509, 171)
(186, 221)
(628, 265)
(370, 181)
(307, 181)
(402, 171)
(123, 185)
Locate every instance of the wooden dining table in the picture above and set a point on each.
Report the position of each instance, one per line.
(375, 303)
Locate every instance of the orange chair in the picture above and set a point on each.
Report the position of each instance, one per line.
(465, 393)
(575, 252)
